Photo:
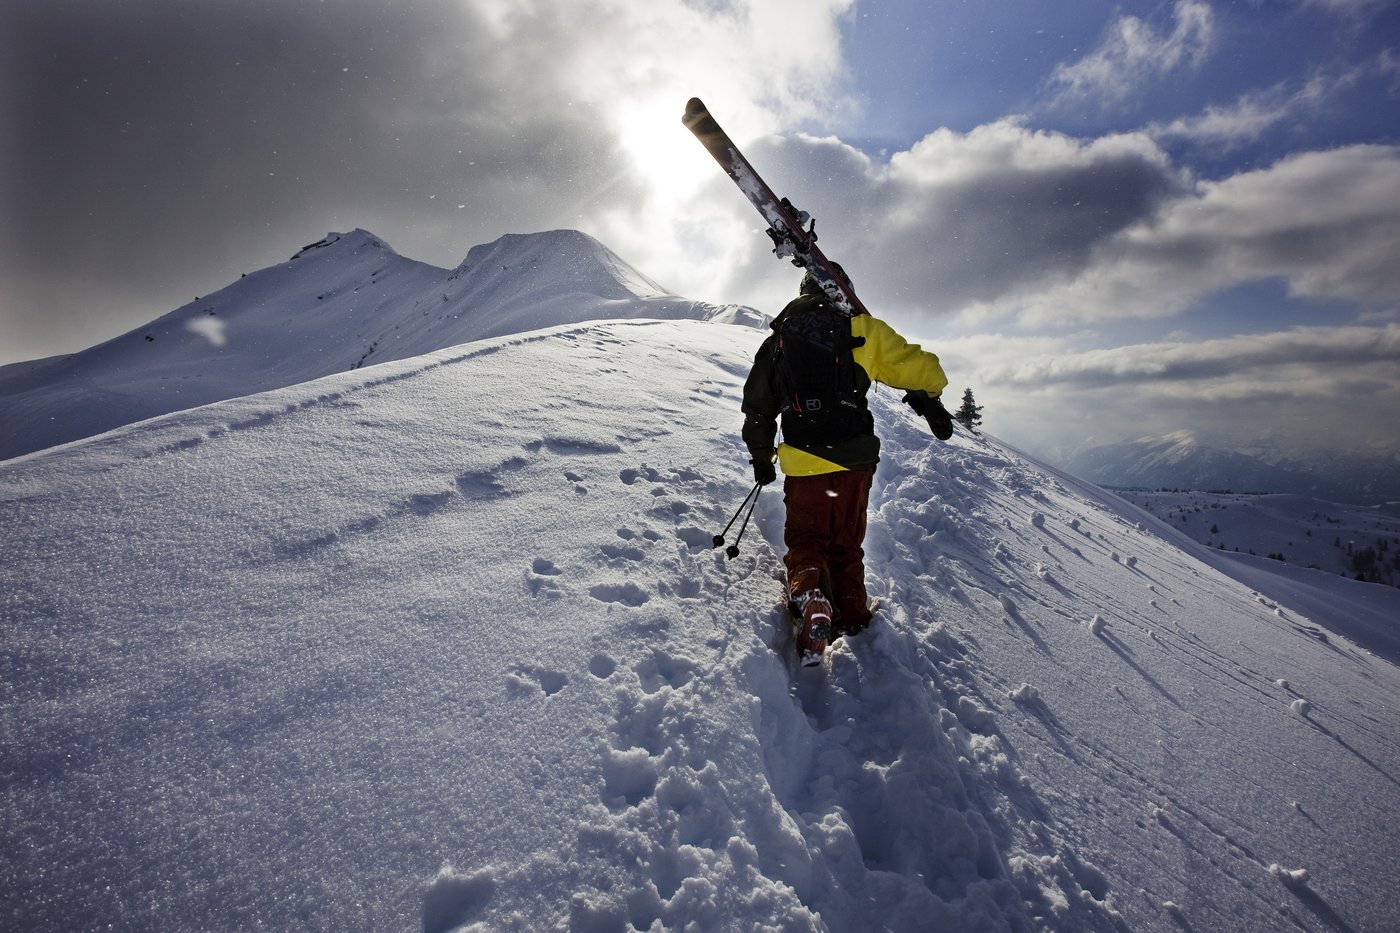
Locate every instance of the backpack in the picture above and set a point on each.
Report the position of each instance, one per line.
(821, 387)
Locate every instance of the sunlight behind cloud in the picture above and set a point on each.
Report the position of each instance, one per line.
(763, 67)
(659, 149)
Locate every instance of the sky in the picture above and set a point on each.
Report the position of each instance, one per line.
(1110, 220)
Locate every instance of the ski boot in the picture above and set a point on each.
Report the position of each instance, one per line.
(813, 612)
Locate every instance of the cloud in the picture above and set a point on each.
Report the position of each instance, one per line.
(1005, 222)
(1133, 55)
(168, 146)
(988, 214)
(960, 221)
(157, 148)
(1303, 387)
(1264, 360)
(1353, 7)
(161, 138)
(1326, 223)
(1232, 126)
(1246, 120)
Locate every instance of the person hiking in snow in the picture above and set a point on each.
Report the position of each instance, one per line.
(813, 372)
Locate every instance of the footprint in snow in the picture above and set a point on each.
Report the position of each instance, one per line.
(529, 681)
(601, 666)
(696, 539)
(620, 552)
(627, 594)
(480, 485)
(629, 777)
(663, 670)
(573, 446)
(539, 579)
(488, 484)
(683, 588)
(425, 504)
(647, 728)
(451, 900)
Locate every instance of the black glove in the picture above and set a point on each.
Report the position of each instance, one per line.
(931, 407)
(763, 470)
(938, 418)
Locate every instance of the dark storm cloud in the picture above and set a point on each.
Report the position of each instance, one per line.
(131, 111)
(153, 140)
(964, 219)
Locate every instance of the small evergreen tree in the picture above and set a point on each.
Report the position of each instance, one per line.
(969, 414)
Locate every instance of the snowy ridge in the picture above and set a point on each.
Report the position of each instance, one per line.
(343, 302)
(408, 648)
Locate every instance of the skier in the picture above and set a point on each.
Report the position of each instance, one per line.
(814, 371)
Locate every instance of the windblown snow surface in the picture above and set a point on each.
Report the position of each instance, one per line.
(442, 644)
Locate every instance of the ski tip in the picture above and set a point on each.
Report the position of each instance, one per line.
(696, 113)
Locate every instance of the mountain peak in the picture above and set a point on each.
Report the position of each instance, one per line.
(565, 259)
(352, 241)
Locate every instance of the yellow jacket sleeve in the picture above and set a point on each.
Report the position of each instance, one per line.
(887, 357)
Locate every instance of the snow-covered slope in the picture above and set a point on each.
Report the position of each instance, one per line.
(1290, 547)
(1300, 530)
(408, 648)
(343, 302)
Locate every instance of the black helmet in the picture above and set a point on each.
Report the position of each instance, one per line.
(810, 285)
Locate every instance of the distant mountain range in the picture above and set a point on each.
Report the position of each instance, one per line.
(1181, 461)
(345, 301)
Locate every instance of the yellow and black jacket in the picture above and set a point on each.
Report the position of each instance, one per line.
(880, 355)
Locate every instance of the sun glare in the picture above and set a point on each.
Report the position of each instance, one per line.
(662, 151)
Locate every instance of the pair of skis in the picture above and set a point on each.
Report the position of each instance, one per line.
(793, 231)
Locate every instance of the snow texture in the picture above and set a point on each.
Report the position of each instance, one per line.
(442, 643)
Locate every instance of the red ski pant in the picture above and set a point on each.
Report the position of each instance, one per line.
(824, 535)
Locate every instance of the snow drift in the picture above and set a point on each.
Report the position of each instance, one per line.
(411, 648)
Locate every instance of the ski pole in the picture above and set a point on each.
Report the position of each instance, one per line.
(733, 549)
